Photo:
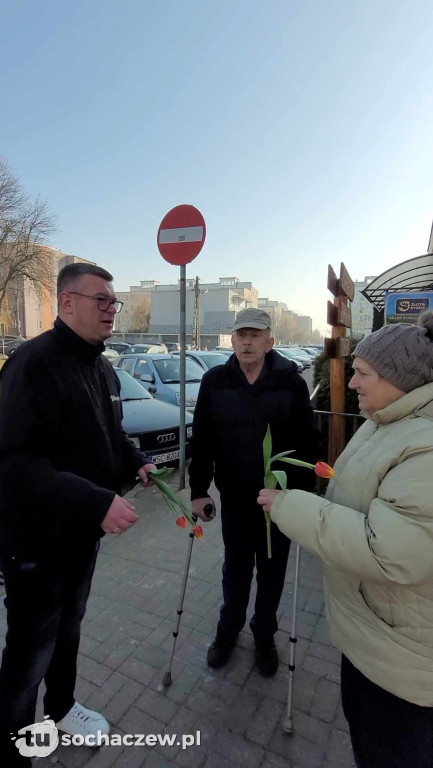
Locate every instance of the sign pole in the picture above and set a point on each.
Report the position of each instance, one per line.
(182, 435)
(180, 238)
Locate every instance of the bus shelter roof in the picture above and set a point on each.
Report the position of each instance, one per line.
(412, 275)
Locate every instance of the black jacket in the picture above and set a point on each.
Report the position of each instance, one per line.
(63, 453)
(230, 422)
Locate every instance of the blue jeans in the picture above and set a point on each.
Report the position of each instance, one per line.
(386, 731)
(244, 536)
(46, 601)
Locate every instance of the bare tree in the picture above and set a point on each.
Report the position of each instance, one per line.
(140, 320)
(25, 227)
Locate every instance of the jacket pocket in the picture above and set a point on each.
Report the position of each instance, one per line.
(377, 600)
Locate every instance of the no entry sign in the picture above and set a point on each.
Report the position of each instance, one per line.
(181, 234)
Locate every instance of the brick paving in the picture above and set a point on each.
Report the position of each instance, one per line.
(126, 642)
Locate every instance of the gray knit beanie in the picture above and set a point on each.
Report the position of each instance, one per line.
(401, 353)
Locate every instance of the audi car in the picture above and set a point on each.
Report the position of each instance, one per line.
(151, 424)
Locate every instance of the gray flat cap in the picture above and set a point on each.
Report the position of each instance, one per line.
(252, 318)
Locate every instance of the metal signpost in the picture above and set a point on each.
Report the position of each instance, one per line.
(181, 237)
(337, 348)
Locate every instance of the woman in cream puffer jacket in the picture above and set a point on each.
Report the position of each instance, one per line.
(374, 534)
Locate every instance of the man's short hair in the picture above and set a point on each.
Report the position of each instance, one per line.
(72, 272)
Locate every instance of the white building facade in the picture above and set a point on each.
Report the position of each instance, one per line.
(362, 310)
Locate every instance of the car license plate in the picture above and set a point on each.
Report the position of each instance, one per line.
(162, 458)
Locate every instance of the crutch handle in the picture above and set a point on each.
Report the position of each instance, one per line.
(208, 510)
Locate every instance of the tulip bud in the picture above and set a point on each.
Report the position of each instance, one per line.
(198, 531)
(182, 522)
(324, 470)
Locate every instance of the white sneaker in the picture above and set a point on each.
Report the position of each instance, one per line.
(83, 721)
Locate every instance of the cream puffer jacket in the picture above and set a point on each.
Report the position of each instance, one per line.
(374, 533)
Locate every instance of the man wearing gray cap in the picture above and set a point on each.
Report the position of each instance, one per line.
(237, 401)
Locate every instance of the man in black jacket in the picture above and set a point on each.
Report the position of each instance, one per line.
(237, 401)
(63, 458)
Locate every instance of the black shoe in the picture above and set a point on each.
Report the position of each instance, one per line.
(220, 650)
(266, 657)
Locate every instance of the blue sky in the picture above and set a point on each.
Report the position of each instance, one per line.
(302, 130)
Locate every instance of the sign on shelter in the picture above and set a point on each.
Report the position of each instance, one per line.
(406, 306)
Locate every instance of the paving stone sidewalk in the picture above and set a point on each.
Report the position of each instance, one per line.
(126, 643)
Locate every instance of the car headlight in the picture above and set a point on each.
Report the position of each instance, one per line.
(136, 441)
(188, 399)
(189, 433)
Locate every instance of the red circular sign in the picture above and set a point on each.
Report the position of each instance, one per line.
(181, 235)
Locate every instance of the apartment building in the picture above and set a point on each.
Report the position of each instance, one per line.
(362, 310)
(27, 312)
(218, 305)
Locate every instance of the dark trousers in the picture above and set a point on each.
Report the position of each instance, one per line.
(386, 731)
(244, 536)
(46, 601)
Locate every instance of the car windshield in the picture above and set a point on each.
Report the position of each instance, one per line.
(211, 361)
(169, 370)
(130, 389)
(139, 348)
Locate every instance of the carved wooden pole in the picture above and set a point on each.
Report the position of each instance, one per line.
(338, 347)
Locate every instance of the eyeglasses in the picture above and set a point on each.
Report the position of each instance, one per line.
(103, 304)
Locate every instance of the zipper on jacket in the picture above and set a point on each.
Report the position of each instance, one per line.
(98, 404)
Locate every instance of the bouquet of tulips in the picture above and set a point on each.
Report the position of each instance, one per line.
(174, 502)
(274, 476)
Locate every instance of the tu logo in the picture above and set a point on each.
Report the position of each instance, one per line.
(38, 739)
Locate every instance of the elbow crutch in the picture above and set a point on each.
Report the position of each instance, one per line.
(288, 720)
(167, 680)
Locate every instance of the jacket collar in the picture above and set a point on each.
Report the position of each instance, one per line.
(418, 402)
(76, 343)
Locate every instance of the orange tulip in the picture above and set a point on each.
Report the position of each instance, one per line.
(324, 470)
(198, 531)
(182, 522)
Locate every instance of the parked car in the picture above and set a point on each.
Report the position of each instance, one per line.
(172, 346)
(111, 354)
(224, 351)
(151, 424)
(9, 344)
(206, 360)
(287, 352)
(150, 349)
(160, 374)
(310, 351)
(120, 346)
(7, 339)
(282, 352)
(161, 344)
(302, 356)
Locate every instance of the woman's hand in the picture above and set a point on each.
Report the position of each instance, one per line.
(266, 498)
